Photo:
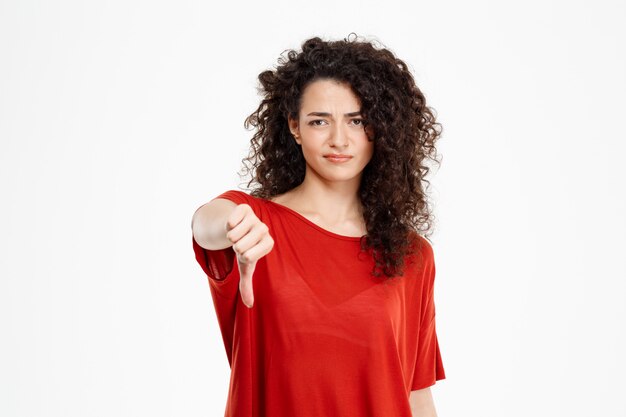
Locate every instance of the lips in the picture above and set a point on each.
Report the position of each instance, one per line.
(337, 158)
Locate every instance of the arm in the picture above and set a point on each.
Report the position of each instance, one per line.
(221, 224)
(422, 404)
(209, 224)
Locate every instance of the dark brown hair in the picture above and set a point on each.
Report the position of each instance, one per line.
(393, 186)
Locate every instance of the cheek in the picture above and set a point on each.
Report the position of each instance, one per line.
(309, 151)
(369, 148)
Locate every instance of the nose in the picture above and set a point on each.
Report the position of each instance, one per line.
(338, 138)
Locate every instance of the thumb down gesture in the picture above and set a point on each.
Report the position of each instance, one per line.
(251, 241)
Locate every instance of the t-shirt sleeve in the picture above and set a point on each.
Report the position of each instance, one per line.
(428, 364)
(218, 264)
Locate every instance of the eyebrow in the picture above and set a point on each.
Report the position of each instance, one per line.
(324, 114)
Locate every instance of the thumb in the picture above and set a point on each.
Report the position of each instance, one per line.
(246, 269)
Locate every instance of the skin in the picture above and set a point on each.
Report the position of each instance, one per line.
(422, 404)
(327, 196)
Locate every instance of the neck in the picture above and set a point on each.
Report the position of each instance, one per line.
(334, 202)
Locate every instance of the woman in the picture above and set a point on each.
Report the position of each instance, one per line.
(341, 319)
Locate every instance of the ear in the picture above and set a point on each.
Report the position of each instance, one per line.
(369, 131)
(294, 128)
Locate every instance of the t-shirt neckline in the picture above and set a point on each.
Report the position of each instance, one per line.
(314, 225)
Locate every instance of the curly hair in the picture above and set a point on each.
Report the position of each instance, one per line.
(393, 189)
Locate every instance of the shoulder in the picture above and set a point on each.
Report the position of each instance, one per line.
(421, 247)
(421, 263)
(241, 197)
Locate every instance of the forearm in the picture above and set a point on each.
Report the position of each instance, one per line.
(424, 412)
(422, 404)
(209, 224)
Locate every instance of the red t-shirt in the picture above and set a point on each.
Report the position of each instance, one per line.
(324, 337)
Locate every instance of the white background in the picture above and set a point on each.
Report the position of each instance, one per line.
(118, 119)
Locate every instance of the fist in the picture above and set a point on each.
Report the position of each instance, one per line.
(251, 241)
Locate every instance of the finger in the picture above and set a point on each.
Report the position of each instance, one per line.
(242, 228)
(237, 215)
(250, 239)
(262, 248)
(246, 271)
(247, 264)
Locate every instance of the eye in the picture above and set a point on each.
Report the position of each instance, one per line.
(361, 122)
(314, 122)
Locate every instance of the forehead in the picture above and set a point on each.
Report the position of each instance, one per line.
(331, 93)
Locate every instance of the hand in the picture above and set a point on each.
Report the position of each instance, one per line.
(251, 241)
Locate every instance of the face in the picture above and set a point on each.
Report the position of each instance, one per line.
(330, 123)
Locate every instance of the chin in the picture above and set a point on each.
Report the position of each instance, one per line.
(347, 177)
